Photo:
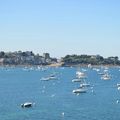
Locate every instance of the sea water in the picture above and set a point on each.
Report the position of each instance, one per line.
(54, 99)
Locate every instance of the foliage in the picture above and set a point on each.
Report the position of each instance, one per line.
(90, 59)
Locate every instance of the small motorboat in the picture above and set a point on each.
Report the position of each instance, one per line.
(76, 80)
(26, 105)
(79, 90)
(85, 85)
(48, 78)
(106, 77)
(51, 77)
(80, 75)
(118, 84)
(100, 73)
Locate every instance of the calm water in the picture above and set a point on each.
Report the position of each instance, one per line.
(52, 98)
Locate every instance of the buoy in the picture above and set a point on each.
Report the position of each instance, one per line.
(117, 101)
(43, 91)
(118, 88)
(53, 95)
(63, 114)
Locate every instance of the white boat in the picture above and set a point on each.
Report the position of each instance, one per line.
(80, 75)
(45, 79)
(106, 77)
(51, 77)
(100, 73)
(84, 85)
(80, 90)
(76, 80)
(118, 88)
(27, 104)
(118, 84)
(96, 69)
(48, 78)
(89, 66)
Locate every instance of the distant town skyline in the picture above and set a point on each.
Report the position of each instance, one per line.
(61, 27)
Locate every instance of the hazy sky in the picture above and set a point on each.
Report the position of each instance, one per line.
(61, 27)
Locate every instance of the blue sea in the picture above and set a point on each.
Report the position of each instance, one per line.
(54, 99)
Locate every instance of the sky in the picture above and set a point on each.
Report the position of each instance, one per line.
(61, 27)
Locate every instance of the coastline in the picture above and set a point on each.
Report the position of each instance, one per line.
(61, 65)
(86, 65)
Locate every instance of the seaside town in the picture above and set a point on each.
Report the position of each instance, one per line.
(29, 58)
(25, 58)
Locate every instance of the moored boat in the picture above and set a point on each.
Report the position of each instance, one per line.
(80, 90)
(26, 105)
(106, 77)
(76, 80)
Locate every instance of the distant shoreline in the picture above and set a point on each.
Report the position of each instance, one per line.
(60, 65)
(28, 58)
(85, 65)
